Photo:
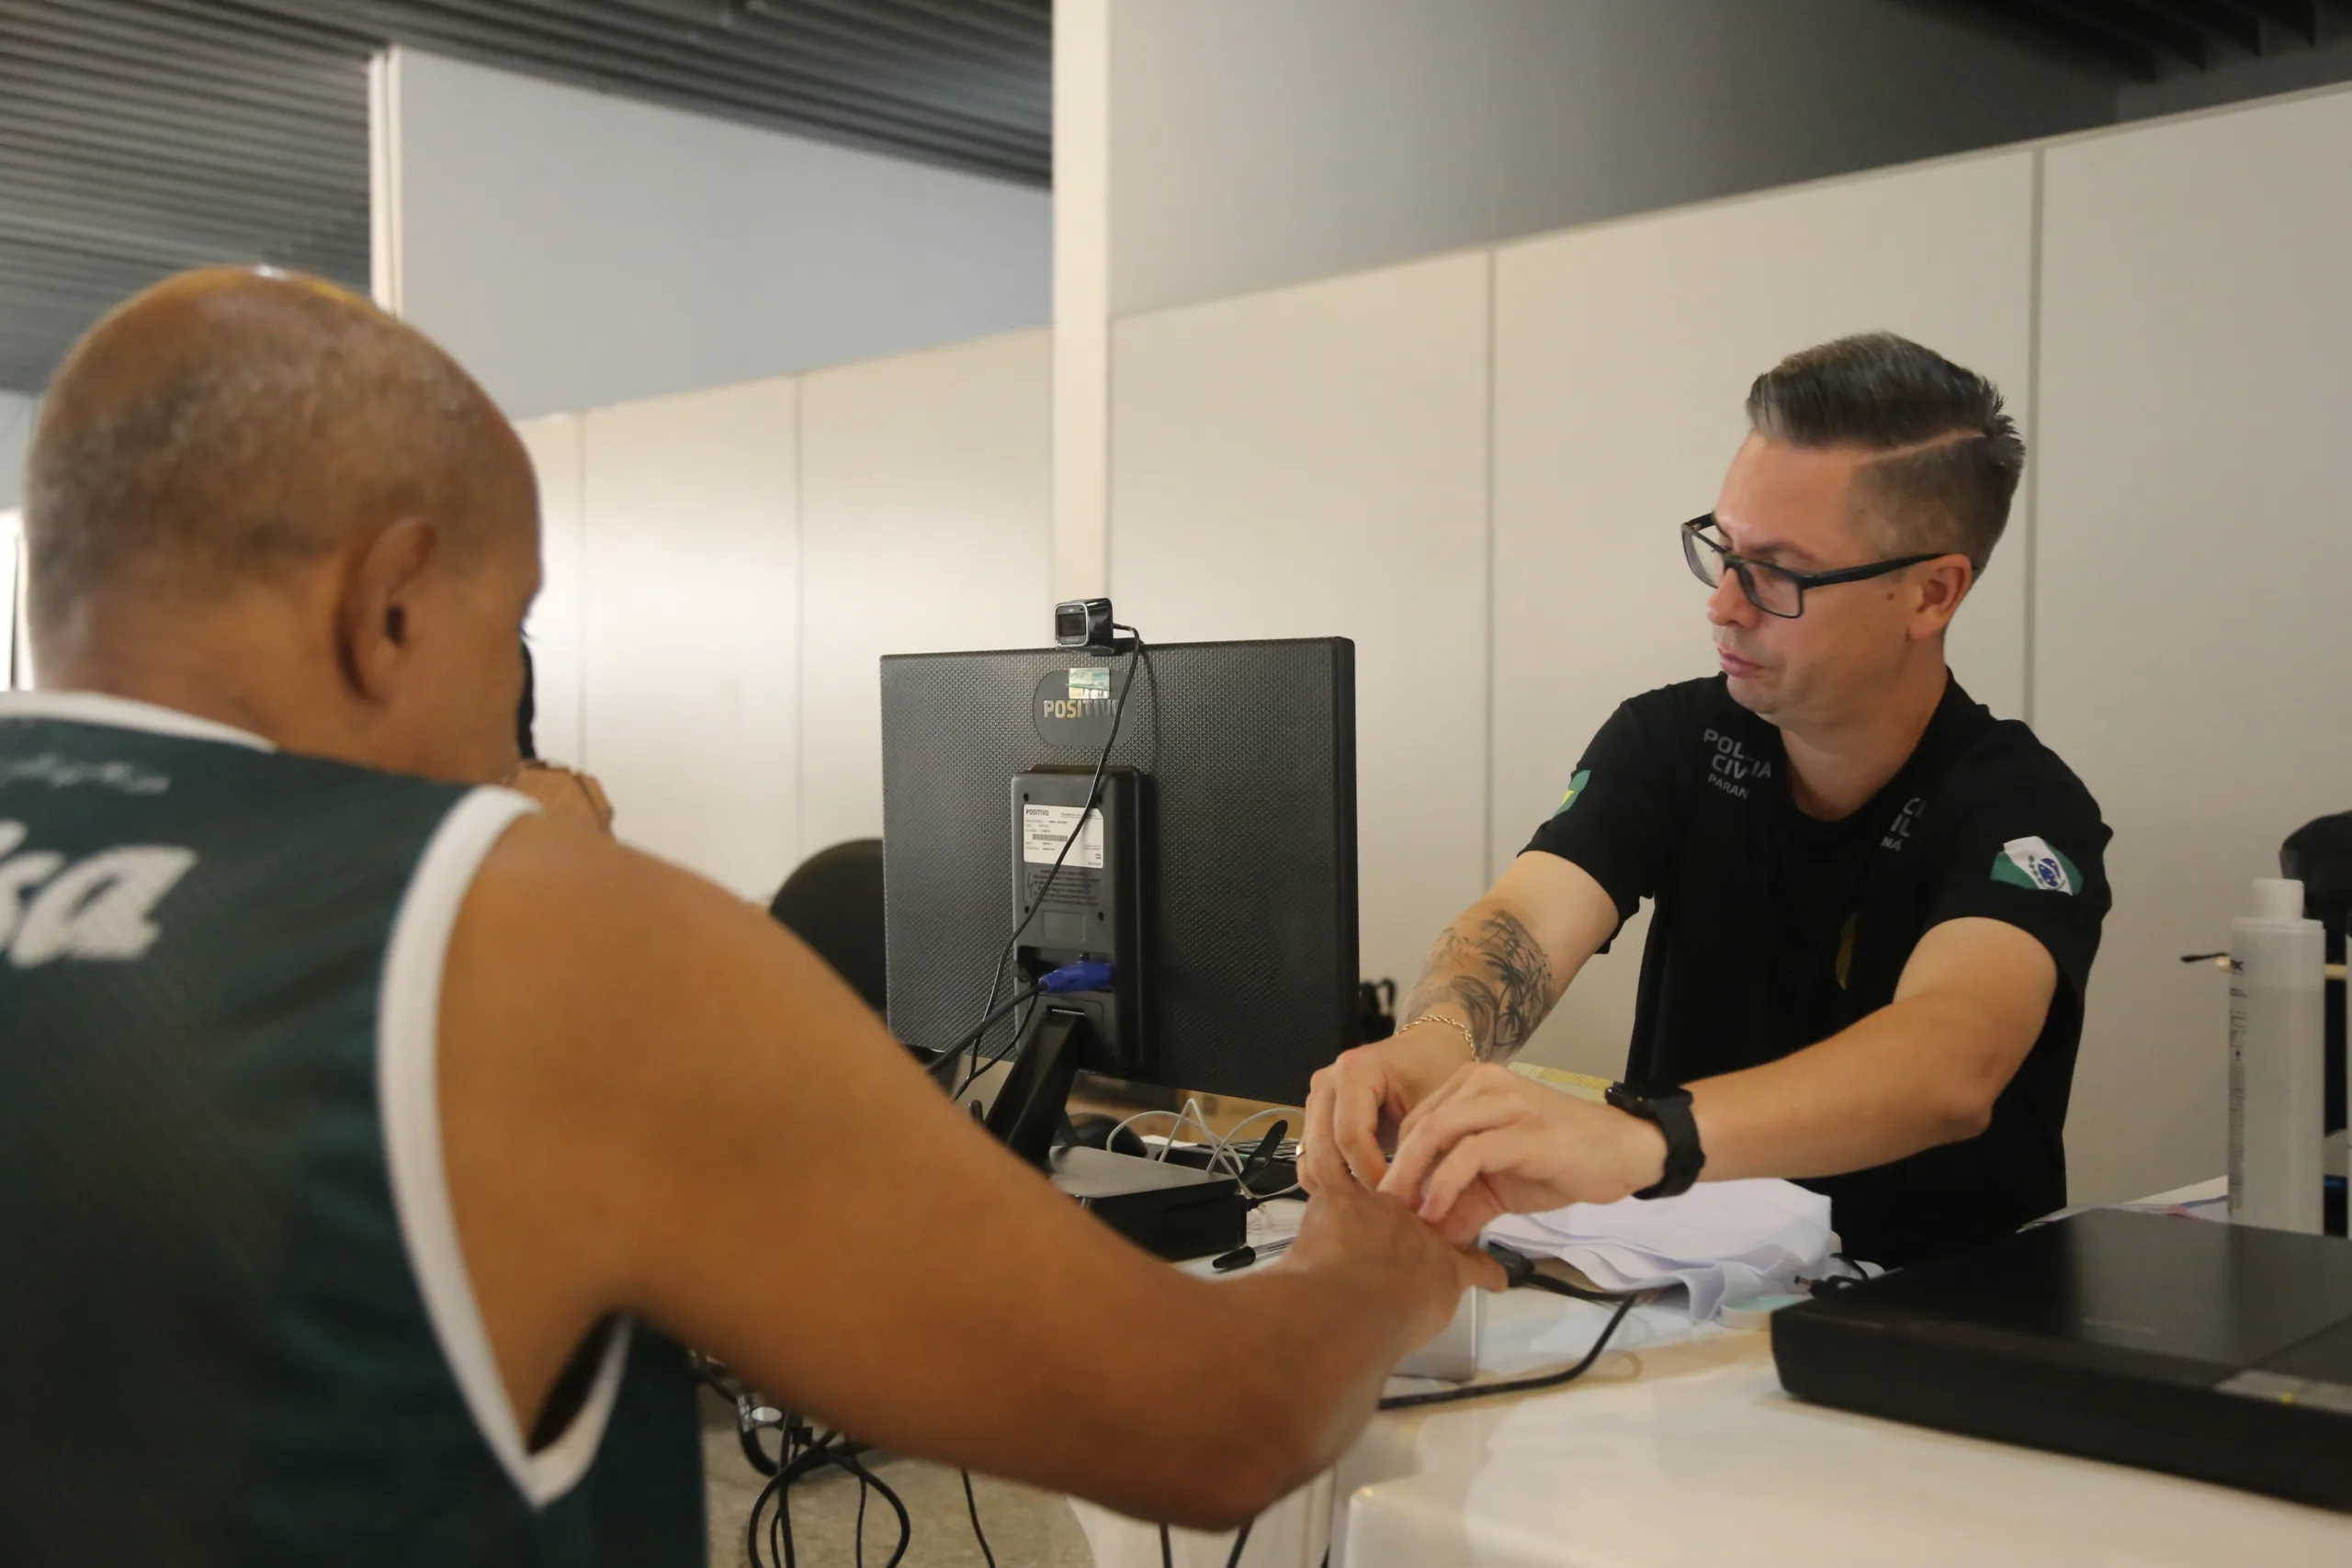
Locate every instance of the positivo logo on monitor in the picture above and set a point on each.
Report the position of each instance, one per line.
(1074, 709)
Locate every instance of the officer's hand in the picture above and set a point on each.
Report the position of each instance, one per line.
(1489, 1143)
(1355, 1106)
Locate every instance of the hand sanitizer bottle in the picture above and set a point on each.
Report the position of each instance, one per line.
(2277, 1061)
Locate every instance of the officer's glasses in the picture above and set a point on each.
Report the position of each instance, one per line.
(1775, 590)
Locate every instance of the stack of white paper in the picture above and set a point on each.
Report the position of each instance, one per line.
(1721, 1241)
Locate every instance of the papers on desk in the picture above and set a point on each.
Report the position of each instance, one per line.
(1720, 1241)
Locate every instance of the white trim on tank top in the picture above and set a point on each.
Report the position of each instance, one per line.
(407, 1044)
(108, 711)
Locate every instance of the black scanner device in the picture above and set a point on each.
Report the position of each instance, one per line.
(2218, 1351)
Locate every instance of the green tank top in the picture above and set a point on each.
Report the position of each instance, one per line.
(235, 1326)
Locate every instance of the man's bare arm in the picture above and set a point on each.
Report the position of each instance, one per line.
(653, 1099)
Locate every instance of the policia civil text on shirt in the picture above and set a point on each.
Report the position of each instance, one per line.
(1875, 906)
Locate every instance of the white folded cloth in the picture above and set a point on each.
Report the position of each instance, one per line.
(1720, 1241)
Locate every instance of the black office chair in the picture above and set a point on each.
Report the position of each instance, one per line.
(834, 904)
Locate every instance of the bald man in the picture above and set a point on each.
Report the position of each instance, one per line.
(358, 1127)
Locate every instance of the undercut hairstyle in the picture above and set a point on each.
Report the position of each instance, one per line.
(1950, 454)
(227, 426)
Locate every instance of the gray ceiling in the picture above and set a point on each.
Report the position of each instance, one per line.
(139, 137)
(2142, 40)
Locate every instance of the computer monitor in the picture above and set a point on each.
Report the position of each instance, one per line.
(1220, 876)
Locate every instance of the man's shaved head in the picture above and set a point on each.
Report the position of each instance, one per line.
(229, 423)
(258, 498)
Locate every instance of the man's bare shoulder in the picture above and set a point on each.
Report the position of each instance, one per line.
(619, 1037)
(553, 903)
(597, 970)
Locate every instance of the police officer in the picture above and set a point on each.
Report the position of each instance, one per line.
(1875, 904)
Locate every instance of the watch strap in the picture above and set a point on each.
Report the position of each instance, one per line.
(1671, 1113)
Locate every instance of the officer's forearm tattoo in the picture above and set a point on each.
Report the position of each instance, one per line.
(1496, 974)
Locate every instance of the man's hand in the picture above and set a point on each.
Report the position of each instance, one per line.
(1492, 1143)
(1378, 1243)
(1357, 1104)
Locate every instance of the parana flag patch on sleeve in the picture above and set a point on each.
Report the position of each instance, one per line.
(2032, 862)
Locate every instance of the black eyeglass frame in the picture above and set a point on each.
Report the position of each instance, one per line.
(1740, 565)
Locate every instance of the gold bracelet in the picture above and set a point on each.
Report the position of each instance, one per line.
(1453, 1023)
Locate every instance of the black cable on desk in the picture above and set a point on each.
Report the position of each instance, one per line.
(1520, 1271)
(1232, 1558)
(1517, 1385)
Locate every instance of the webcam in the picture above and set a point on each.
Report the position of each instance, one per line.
(1085, 623)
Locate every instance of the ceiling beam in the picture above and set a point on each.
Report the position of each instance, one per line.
(2298, 16)
(2132, 20)
(2037, 19)
(2226, 21)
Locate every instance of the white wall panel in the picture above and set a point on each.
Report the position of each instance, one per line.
(577, 248)
(19, 414)
(1081, 76)
(926, 520)
(1623, 355)
(553, 627)
(1254, 145)
(1312, 462)
(16, 668)
(690, 625)
(2196, 384)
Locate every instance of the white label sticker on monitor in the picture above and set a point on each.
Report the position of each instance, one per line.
(1045, 828)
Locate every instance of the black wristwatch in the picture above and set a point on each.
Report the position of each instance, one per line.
(1671, 1111)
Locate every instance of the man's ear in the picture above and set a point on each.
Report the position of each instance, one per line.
(1938, 587)
(375, 612)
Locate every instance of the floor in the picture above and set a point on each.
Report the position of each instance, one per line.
(1026, 1528)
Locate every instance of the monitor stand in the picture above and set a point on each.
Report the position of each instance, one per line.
(1170, 1210)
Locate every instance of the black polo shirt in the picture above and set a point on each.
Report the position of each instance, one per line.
(1773, 931)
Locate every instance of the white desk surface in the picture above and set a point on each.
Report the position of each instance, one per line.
(1678, 1450)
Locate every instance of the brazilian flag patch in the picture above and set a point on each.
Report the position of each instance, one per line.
(1576, 788)
(2032, 862)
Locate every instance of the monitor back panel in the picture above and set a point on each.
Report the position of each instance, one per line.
(1248, 748)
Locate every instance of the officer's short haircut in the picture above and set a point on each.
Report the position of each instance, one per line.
(1952, 454)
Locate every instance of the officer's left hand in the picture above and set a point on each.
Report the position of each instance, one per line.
(1491, 1143)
